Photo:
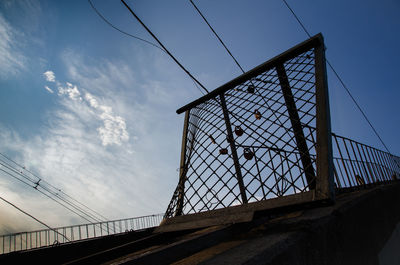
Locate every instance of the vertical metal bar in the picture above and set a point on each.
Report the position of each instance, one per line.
(391, 162)
(384, 155)
(381, 165)
(370, 177)
(325, 180)
(297, 127)
(357, 162)
(380, 174)
(343, 162)
(233, 149)
(335, 174)
(375, 176)
(348, 155)
(387, 162)
(338, 168)
(182, 167)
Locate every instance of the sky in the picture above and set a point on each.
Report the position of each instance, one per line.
(92, 111)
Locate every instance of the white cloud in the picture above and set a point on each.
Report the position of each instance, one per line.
(92, 101)
(113, 130)
(11, 59)
(70, 90)
(50, 76)
(49, 89)
(90, 149)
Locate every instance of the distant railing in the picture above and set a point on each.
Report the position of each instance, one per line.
(357, 164)
(59, 235)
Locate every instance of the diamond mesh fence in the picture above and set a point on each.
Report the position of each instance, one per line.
(255, 139)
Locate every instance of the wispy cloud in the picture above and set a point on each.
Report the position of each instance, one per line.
(113, 130)
(12, 61)
(49, 89)
(113, 142)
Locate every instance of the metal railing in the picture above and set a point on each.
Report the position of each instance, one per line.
(267, 135)
(357, 164)
(59, 235)
(255, 137)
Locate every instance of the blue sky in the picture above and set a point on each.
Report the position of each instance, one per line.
(101, 123)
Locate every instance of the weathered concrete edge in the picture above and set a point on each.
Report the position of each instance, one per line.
(234, 214)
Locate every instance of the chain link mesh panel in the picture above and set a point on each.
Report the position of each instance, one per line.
(263, 147)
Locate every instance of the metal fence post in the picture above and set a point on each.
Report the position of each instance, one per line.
(233, 149)
(297, 127)
(182, 167)
(325, 180)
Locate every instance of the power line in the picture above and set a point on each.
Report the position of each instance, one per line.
(165, 49)
(40, 186)
(54, 196)
(215, 33)
(133, 36)
(47, 195)
(123, 32)
(31, 216)
(297, 18)
(237, 63)
(340, 80)
(36, 185)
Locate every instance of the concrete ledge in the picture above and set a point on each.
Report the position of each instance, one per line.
(231, 215)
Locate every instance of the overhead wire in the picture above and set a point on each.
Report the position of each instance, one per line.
(44, 193)
(166, 50)
(18, 173)
(236, 61)
(133, 36)
(341, 81)
(51, 194)
(33, 217)
(123, 32)
(215, 33)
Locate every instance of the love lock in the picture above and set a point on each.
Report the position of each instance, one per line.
(250, 89)
(238, 131)
(223, 151)
(257, 114)
(248, 154)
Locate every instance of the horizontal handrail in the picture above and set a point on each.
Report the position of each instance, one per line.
(47, 237)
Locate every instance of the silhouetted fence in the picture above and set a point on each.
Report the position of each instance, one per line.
(267, 135)
(48, 237)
